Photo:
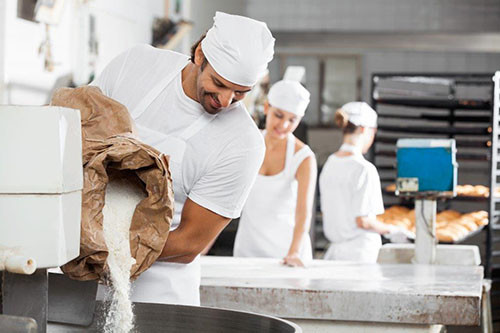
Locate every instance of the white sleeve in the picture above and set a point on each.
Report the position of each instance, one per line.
(225, 187)
(367, 197)
(299, 157)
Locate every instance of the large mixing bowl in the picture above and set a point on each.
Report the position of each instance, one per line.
(151, 318)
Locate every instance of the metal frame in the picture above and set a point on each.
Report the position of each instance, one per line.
(495, 173)
(452, 103)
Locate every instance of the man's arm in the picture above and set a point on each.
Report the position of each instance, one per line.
(198, 227)
(222, 189)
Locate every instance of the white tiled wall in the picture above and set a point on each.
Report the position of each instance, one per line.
(203, 11)
(377, 15)
(120, 24)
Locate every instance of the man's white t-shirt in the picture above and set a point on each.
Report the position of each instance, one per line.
(222, 160)
(349, 187)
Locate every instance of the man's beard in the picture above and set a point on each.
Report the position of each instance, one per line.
(207, 105)
(205, 102)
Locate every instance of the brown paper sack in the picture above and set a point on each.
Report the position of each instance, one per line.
(109, 148)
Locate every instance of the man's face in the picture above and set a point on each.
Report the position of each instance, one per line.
(216, 93)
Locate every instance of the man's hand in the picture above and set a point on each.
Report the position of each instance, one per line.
(198, 227)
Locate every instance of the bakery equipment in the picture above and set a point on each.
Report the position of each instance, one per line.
(41, 180)
(426, 167)
(426, 170)
(442, 105)
(158, 318)
(347, 297)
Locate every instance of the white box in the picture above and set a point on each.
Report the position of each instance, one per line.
(45, 227)
(446, 254)
(40, 149)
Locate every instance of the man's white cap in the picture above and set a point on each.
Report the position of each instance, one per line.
(238, 48)
(290, 96)
(360, 114)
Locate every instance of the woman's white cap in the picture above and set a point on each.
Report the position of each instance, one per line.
(290, 96)
(360, 114)
(238, 48)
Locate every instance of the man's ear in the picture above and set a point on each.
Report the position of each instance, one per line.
(199, 57)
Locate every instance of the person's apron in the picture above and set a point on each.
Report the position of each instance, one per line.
(166, 282)
(361, 248)
(268, 218)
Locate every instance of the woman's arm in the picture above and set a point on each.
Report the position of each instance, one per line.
(371, 223)
(367, 201)
(306, 178)
(395, 234)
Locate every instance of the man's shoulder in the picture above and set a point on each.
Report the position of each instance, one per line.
(240, 128)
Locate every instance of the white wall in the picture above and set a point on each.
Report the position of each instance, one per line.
(26, 80)
(120, 24)
(2, 50)
(203, 11)
(378, 15)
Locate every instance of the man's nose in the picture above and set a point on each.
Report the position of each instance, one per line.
(225, 98)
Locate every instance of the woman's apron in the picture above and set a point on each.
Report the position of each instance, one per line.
(268, 218)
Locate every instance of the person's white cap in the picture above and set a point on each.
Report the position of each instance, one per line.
(290, 96)
(360, 114)
(238, 48)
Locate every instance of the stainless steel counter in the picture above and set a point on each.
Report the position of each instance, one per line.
(327, 290)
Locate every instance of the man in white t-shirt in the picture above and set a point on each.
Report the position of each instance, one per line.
(189, 109)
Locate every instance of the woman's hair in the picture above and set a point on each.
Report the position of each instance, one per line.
(341, 119)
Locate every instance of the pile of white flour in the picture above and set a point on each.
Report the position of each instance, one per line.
(122, 196)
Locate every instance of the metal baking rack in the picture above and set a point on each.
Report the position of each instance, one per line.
(433, 105)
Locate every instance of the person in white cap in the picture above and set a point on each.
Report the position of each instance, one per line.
(189, 108)
(350, 191)
(275, 219)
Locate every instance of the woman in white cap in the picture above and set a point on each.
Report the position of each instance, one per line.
(275, 219)
(189, 109)
(351, 196)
